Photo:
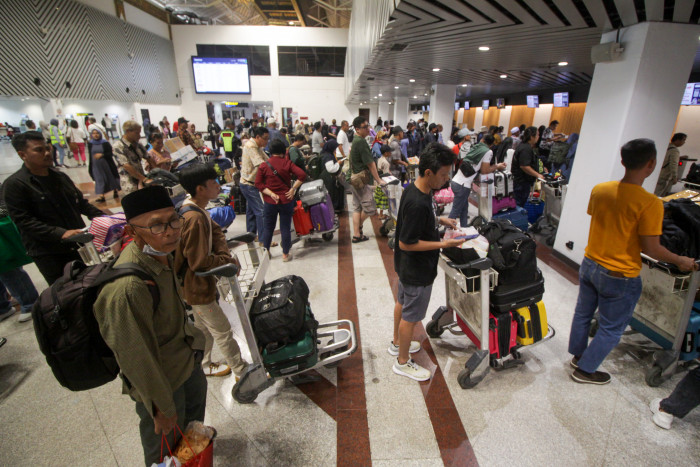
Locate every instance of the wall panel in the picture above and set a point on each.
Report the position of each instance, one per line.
(491, 116)
(470, 117)
(61, 41)
(521, 114)
(570, 118)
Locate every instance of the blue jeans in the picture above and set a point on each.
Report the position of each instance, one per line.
(285, 211)
(61, 153)
(20, 287)
(253, 210)
(460, 205)
(615, 299)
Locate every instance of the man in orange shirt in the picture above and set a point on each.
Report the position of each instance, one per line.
(626, 221)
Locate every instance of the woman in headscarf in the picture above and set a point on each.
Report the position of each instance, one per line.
(379, 139)
(502, 151)
(573, 145)
(329, 174)
(102, 168)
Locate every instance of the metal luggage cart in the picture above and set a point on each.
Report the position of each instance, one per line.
(88, 252)
(554, 196)
(662, 314)
(388, 228)
(239, 286)
(467, 313)
(315, 235)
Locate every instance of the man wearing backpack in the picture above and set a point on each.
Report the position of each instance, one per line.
(203, 247)
(158, 351)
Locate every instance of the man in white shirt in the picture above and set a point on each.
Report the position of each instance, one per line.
(343, 141)
(479, 157)
(108, 125)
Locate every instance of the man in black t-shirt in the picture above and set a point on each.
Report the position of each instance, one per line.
(416, 255)
(525, 166)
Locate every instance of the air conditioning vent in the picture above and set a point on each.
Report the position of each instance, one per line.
(371, 78)
(398, 47)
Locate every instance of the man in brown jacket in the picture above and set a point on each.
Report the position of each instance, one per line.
(203, 247)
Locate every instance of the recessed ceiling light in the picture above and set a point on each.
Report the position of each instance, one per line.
(379, 95)
(411, 80)
(563, 63)
(415, 97)
(396, 87)
(484, 48)
(291, 23)
(504, 76)
(465, 85)
(374, 97)
(425, 94)
(436, 69)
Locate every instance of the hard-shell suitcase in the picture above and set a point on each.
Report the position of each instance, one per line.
(322, 215)
(312, 193)
(534, 208)
(294, 356)
(239, 201)
(532, 323)
(517, 216)
(690, 349)
(502, 183)
(511, 297)
(503, 331)
(302, 220)
(503, 204)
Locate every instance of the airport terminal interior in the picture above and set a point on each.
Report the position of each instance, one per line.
(587, 76)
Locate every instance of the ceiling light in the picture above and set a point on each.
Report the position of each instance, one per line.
(411, 80)
(563, 63)
(436, 69)
(374, 97)
(425, 94)
(379, 95)
(396, 87)
(415, 97)
(291, 23)
(465, 85)
(484, 48)
(504, 76)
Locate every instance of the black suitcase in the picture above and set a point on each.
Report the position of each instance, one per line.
(239, 202)
(511, 297)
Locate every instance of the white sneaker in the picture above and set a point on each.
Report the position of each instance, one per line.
(411, 370)
(217, 369)
(662, 419)
(24, 317)
(394, 349)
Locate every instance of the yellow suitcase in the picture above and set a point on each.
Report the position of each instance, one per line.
(532, 323)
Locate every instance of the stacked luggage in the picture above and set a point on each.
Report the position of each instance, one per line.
(503, 203)
(314, 211)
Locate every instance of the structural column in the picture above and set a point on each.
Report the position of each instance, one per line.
(401, 111)
(384, 109)
(637, 96)
(442, 106)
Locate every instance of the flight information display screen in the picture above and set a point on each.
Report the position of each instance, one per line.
(533, 101)
(561, 99)
(221, 75)
(485, 104)
(691, 96)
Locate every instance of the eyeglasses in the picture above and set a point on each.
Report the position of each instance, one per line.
(159, 229)
(362, 127)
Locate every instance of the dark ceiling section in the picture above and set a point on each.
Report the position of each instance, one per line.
(527, 41)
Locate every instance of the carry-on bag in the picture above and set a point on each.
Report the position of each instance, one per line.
(502, 183)
(506, 297)
(312, 193)
(512, 252)
(517, 217)
(535, 208)
(322, 215)
(302, 220)
(503, 331)
(297, 355)
(532, 323)
(503, 204)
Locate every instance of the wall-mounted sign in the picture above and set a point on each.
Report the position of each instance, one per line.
(303, 118)
(231, 104)
(83, 114)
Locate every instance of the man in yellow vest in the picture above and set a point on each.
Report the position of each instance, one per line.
(228, 138)
(58, 141)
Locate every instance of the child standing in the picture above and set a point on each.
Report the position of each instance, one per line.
(383, 167)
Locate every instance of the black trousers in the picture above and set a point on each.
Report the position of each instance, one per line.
(51, 266)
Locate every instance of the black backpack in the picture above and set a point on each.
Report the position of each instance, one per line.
(512, 252)
(66, 328)
(314, 167)
(278, 315)
(693, 174)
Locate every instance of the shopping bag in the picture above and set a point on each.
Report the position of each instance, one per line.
(199, 456)
(12, 252)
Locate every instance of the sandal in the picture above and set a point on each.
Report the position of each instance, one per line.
(100, 199)
(361, 238)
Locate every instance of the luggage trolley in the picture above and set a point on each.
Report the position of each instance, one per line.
(468, 312)
(662, 314)
(393, 190)
(239, 286)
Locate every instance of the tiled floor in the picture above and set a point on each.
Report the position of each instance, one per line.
(530, 415)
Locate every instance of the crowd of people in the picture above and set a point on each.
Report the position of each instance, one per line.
(164, 363)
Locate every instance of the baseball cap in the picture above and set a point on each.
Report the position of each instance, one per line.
(463, 132)
(182, 120)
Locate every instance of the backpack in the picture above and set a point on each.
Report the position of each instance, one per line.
(278, 314)
(693, 174)
(557, 155)
(314, 167)
(66, 328)
(512, 252)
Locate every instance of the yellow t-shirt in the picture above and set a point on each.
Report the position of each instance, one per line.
(621, 213)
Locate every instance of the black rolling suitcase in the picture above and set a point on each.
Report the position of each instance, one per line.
(507, 297)
(239, 202)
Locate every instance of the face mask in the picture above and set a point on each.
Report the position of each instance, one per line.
(149, 250)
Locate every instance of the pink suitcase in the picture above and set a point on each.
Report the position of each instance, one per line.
(322, 215)
(502, 204)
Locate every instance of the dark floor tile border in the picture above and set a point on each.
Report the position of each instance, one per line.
(452, 439)
(322, 392)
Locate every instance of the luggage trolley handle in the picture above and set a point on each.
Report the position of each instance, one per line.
(482, 264)
(668, 267)
(86, 249)
(226, 270)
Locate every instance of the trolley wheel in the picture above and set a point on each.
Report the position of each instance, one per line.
(550, 240)
(328, 236)
(392, 243)
(594, 327)
(386, 227)
(654, 377)
(242, 397)
(464, 378)
(433, 329)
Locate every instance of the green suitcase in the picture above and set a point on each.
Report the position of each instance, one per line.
(294, 356)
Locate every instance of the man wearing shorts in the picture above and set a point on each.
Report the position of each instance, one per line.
(361, 159)
(416, 254)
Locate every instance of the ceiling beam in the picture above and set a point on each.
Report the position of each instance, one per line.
(332, 7)
(319, 21)
(298, 12)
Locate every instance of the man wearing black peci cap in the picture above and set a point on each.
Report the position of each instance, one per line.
(159, 351)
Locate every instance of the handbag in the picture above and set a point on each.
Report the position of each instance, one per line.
(358, 180)
(12, 252)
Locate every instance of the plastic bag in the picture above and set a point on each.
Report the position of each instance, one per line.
(198, 438)
(168, 462)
